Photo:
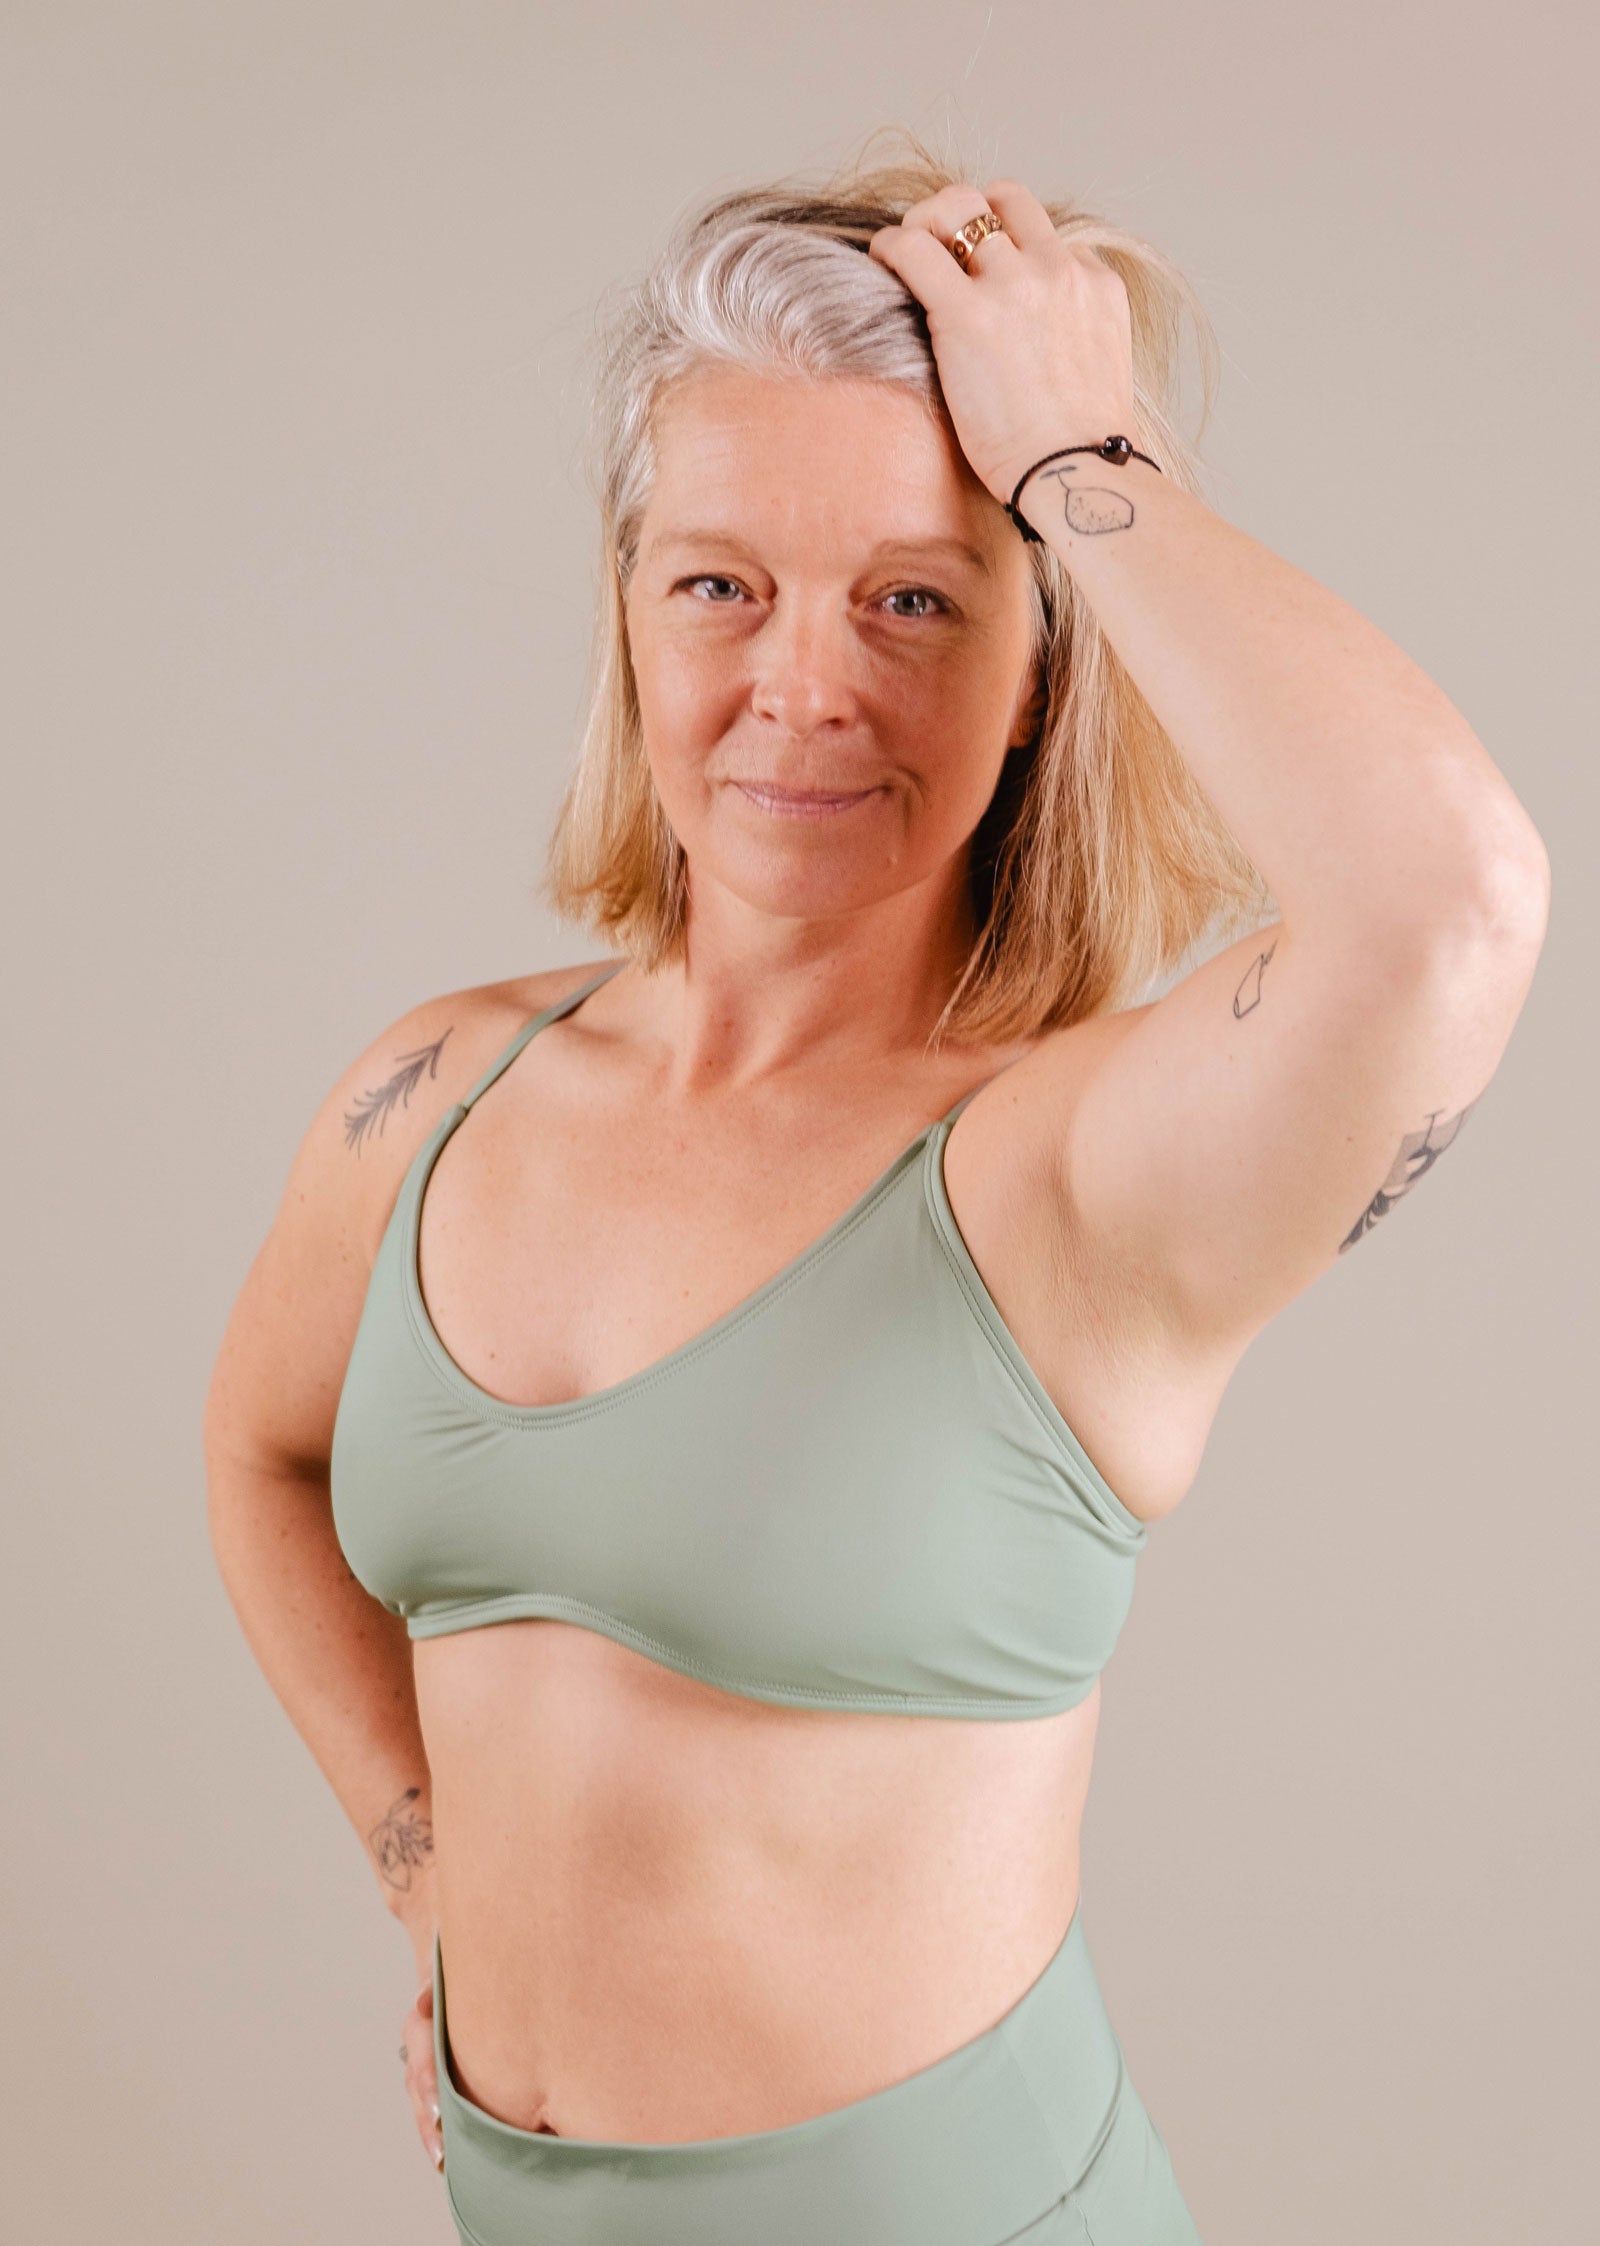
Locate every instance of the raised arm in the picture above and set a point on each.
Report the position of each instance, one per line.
(1219, 1148)
(1237, 1135)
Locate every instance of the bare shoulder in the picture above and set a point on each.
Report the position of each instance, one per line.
(390, 1098)
(275, 1386)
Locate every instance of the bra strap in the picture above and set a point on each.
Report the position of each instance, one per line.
(537, 1022)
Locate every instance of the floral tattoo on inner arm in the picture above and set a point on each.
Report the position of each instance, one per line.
(398, 1090)
(404, 1840)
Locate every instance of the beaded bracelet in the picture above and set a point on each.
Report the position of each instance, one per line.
(1117, 449)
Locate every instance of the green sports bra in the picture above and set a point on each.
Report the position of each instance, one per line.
(851, 1491)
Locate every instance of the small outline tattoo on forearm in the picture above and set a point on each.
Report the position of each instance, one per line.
(404, 1840)
(1418, 1153)
(1091, 509)
(1252, 984)
(397, 1091)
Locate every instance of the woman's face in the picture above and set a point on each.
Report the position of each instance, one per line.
(826, 602)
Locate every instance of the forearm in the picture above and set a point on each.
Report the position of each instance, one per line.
(1353, 783)
(339, 1663)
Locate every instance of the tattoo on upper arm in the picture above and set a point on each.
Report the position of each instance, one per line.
(398, 1089)
(1418, 1153)
(404, 1840)
(1248, 995)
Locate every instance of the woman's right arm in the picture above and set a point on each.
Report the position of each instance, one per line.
(337, 1660)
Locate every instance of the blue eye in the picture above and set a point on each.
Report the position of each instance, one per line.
(710, 581)
(915, 592)
(906, 592)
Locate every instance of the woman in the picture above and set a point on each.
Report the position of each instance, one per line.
(682, 1452)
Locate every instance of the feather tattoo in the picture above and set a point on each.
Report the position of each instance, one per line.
(374, 1107)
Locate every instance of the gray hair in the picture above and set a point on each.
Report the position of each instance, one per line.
(1099, 861)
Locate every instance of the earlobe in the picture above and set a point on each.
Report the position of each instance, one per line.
(1031, 715)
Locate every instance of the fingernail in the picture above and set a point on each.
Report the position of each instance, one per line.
(434, 2108)
(438, 2156)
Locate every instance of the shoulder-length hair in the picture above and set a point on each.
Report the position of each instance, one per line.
(1098, 863)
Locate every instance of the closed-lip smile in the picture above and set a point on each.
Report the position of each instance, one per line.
(801, 803)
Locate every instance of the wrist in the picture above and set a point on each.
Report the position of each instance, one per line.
(413, 1906)
(1045, 486)
(416, 1911)
(1072, 516)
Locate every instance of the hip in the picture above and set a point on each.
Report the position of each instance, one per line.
(1031, 2131)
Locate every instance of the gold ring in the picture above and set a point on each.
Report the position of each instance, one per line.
(975, 231)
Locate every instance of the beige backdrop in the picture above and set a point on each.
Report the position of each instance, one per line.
(299, 564)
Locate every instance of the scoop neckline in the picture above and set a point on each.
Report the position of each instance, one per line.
(928, 1145)
(620, 1392)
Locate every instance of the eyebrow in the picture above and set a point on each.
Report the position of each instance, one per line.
(710, 535)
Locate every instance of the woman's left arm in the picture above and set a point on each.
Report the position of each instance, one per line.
(1221, 1146)
(1349, 777)
(1256, 1122)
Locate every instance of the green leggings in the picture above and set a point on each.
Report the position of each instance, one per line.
(1032, 2131)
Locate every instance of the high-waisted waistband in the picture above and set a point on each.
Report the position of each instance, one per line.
(966, 2152)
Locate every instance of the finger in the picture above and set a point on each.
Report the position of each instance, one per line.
(950, 207)
(422, 2085)
(428, 2119)
(425, 2108)
(1027, 221)
(996, 248)
(947, 212)
(925, 266)
(942, 217)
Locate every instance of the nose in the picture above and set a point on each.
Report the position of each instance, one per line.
(802, 665)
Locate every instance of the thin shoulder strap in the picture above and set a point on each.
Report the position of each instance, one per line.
(531, 1027)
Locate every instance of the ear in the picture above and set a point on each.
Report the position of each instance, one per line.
(1030, 707)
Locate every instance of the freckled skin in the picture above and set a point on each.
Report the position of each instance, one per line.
(794, 646)
(375, 1106)
(403, 1843)
(630, 1860)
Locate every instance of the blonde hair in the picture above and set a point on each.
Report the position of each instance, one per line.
(1099, 863)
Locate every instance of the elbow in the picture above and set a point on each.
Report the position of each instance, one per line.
(1490, 887)
(1480, 869)
(1484, 947)
(1509, 898)
(1481, 910)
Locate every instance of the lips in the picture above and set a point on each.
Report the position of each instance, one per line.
(801, 803)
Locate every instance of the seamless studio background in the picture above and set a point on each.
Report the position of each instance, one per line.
(299, 564)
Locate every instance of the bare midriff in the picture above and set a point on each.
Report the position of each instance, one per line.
(667, 1912)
